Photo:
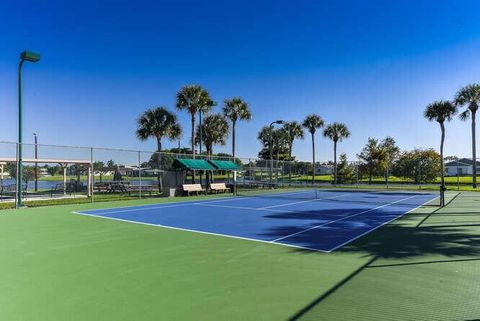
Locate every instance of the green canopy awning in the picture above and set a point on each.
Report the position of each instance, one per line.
(194, 164)
(224, 165)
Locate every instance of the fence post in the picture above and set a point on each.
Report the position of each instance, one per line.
(386, 174)
(139, 175)
(91, 182)
(17, 170)
(356, 172)
(419, 175)
(458, 178)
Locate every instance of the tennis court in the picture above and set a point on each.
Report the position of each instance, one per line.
(310, 219)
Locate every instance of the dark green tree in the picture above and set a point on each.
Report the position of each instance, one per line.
(193, 98)
(294, 131)
(214, 132)
(336, 132)
(312, 123)
(419, 165)
(159, 123)
(470, 96)
(279, 143)
(441, 111)
(236, 109)
(391, 152)
(372, 156)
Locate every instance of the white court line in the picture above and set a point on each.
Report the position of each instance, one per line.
(340, 219)
(376, 227)
(151, 207)
(138, 209)
(166, 204)
(201, 232)
(300, 202)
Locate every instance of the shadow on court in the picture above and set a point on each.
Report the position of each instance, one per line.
(418, 240)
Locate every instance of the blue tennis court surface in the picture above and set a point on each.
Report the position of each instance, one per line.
(315, 220)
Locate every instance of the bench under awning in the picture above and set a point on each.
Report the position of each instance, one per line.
(224, 165)
(193, 164)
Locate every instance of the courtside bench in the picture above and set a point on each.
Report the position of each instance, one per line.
(193, 188)
(219, 187)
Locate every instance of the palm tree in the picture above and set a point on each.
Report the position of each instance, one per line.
(294, 130)
(279, 143)
(158, 122)
(236, 109)
(194, 99)
(336, 132)
(470, 96)
(312, 123)
(214, 132)
(441, 111)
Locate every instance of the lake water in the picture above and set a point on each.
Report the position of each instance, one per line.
(46, 185)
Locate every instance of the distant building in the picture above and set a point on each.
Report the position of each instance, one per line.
(43, 172)
(323, 169)
(461, 167)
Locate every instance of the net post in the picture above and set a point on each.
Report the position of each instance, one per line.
(235, 183)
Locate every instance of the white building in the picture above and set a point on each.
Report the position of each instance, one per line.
(323, 169)
(461, 167)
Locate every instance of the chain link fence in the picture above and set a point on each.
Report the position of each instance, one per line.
(93, 174)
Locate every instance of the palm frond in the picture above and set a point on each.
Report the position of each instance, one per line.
(440, 111)
(312, 123)
(158, 122)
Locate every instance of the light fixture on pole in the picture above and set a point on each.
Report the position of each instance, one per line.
(31, 57)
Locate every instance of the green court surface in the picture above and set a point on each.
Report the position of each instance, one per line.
(56, 265)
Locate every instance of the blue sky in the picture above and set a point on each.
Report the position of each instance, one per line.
(373, 65)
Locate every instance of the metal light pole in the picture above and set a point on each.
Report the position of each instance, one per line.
(270, 143)
(36, 164)
(31, 57)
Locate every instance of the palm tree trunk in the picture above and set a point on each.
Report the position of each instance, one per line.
(290, 163)
(193, 144)
(159, 144)
(474, 151)
(370, 173)
(159, 164)
(193, 135)
(335, 162)
(313, 157)
(233, 140)
(442, 174)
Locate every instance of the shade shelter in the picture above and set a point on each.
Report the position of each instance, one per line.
(62, 162)
(1, 169)
(206, 165)
(224, 165)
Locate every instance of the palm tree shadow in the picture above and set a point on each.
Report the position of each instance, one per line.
(406, 244)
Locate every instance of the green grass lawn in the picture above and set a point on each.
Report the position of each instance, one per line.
(60, 266)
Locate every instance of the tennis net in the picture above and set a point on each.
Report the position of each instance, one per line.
(309, 192)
